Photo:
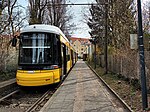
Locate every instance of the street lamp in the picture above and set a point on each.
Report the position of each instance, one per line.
(0, 3)
(141, 54)
(106, 38)
(0, 7)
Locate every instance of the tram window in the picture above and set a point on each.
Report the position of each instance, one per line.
(40, 48)
(67, 54)
(55, 50)
(36, 48)
(59, 53)
(68, 57)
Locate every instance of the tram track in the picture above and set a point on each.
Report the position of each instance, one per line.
(26, 101)
(6, 86)
(23, 101)
(115, 97)
(13, 98)
(36, 106)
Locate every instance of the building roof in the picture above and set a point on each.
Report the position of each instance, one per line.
(82, 40)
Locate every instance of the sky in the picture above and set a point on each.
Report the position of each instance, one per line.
(78, 19)
(82, 28)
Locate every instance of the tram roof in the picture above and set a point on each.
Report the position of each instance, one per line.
(43, 28)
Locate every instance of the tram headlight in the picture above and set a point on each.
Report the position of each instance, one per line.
(54, 66)
(47, 68)
(51, 67)
(19, 67)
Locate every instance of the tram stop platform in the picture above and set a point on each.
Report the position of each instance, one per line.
(80, 92)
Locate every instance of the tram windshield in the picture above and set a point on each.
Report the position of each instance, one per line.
(38, 48)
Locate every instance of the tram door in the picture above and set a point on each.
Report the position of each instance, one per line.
(64, 61)
(72, 58)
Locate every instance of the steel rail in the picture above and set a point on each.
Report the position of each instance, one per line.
(112, 91)
(38, 101)
(14, 92)
(30, 109)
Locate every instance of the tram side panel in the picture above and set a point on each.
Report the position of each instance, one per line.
(55, 57)
(64, 61)
(72, 57)
(68, 59)
(57, 71)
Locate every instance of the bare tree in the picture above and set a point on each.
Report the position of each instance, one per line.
(53, 12)
(37, 11)
(58, 15)
(11, 20)
(121, 22)
(3, 4)
(146, 17)
(7, 20)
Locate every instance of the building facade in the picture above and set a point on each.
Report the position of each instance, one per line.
(81, 45)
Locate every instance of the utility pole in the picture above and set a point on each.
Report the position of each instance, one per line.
(0, 7)
(94, 53)
(141, 54)
(106, 39)
(149, 11)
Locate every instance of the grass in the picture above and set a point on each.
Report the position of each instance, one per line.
(128, 90)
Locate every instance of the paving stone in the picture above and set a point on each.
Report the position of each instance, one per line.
(80, 92)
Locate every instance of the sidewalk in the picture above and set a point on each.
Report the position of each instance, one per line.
(80, 92)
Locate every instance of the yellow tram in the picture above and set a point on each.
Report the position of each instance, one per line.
(45, 55)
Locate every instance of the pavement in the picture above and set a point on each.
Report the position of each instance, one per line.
(80, 92)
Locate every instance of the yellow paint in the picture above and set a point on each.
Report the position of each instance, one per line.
(42, 77)
(68, 66)
(63, 40)
(38, 77)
